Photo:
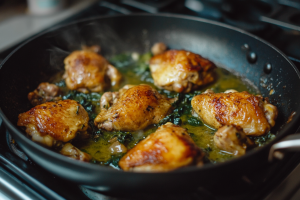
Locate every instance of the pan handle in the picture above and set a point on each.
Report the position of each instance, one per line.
(289, 143)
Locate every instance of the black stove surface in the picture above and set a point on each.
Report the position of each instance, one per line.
(253, 186)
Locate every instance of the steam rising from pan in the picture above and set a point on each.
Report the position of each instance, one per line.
(72, 38)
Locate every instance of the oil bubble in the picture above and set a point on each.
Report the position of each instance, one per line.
(251, 57)
(268, 68)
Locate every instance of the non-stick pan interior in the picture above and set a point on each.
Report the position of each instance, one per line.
(38, 59)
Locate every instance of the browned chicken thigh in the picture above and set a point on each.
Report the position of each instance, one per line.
(229, 139)
(132, 108)
(87, 71)
(180, 70)
(249, 113)
(45, 92)
(55, 123)
(169, 148)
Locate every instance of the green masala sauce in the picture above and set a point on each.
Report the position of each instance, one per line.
(137, 72)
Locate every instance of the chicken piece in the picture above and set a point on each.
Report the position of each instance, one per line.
(109, 98)
(271, 112)
(229, 139)
(87, 71)
(73, 152)
(54, 122)
(45, 92)
(114, 75)
(134, 108)
(169, 148)
(181, 71)
(117, 147)
(249, 113)
(158, 48)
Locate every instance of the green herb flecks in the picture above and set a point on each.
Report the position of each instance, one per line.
(182, 106)
(61, 83)
(143, 63)
(114, 160)
(88, 101)
(194, 121)
(121, 60)
(208, 149)
(137, 70)
(262, 140)
(122, 137)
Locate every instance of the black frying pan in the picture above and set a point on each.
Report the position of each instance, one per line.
(39, 58)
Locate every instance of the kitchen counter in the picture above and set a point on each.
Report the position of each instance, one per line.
(20, 25)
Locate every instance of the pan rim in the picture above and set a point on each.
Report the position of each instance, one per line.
(91, 166)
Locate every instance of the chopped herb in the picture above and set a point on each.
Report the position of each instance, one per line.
(182, 106)
(88, 101)
(208, 149)
(143, 67)
(177, 121)
(114, 160)
(121, 60)
(61, 83)
(262, 140)
(123, 137)
(143, 64)
(194, 121)
(173, 117)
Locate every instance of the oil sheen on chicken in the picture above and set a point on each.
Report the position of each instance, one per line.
(249, 113)
(132, 108)
(87, 71)
(54, 122)
(180, 70)
(169, 148)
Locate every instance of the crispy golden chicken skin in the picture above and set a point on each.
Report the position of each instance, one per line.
(169, 148)
(180, 70)
(45, 92)
(229, 139)
(249, 113)
(87, 71)
(132, 108)
(54, 121)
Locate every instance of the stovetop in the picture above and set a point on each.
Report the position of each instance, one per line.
(274, 21)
